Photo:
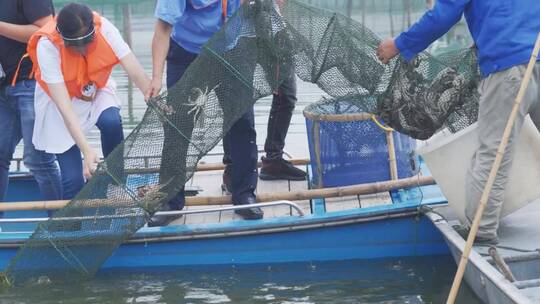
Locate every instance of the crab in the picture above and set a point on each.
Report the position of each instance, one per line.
(161, 105)
(198, 104)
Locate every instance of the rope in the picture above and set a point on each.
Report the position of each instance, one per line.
(380, 125)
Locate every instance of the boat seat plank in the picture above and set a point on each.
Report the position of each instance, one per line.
(305, 205)
(226, 216)
(297, 185)
(342, 203)
(209, 182)
(527, 283)
(202, 218)
(272, 186)
(377, 199)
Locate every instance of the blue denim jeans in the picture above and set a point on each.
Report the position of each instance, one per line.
(16, 123)
(110, 127)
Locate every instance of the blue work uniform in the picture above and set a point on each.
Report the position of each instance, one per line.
(504, 31)
(194, 22)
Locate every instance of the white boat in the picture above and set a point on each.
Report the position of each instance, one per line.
(519, 248)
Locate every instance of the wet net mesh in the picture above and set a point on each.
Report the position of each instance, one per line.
(246, 60)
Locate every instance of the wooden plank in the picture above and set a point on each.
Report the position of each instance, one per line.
(342, 203)
(277, 211)
(377, 199)
(202, 218)
(179, 221)
(209, 182)
(305, 205)
(272, 186)
(226, 216)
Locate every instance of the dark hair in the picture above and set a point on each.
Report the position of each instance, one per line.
(73, 18)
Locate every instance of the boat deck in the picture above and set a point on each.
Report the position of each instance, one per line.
(519, 230)
(519, 247)
(210, 184)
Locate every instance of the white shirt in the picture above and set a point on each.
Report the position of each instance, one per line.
(50, 132)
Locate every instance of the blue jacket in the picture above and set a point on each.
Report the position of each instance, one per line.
(194, 21)
(504, 30)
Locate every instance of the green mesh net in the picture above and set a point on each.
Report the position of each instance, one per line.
(257, 48)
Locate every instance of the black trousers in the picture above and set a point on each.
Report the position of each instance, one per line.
(283, 103)
(240, 139)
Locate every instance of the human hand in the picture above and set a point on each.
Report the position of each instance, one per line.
(154, 88)
(387, 50)
(91, 160)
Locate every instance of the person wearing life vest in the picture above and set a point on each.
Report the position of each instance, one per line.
(18, 21)
(73, 57)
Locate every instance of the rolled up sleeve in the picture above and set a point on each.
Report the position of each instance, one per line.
(170, 10)
(430, 27)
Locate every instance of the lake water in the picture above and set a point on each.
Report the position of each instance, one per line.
(411, 280)
(390, 281)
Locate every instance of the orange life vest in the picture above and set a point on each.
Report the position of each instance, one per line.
(78, 70)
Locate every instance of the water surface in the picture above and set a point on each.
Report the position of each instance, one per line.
(409, 280)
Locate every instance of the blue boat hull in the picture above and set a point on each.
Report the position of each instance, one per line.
(396, 230)
(368, 240)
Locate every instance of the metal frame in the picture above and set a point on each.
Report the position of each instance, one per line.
(177, 212)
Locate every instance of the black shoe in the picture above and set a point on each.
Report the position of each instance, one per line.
(278, 168)
(249, 213)
(163, 220)
(226, 180)
(463, 231)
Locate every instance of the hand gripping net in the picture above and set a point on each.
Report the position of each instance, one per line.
(246, 60)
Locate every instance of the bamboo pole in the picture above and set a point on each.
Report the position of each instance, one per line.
(316, 129)
(211, 167)
(263, 197)
(200, 167)
(126, 27)
(492, 174)
(391, 155)
(338, 117)
(220, 166)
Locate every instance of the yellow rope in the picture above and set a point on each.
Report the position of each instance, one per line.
(380, 125)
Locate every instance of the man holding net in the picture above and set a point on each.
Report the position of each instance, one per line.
(504, 33)
(182, 28)
(274, 166)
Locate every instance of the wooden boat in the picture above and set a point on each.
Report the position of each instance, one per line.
(366, 226)
(509, 272)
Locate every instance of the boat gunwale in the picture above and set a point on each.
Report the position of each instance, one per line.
(243, 228)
